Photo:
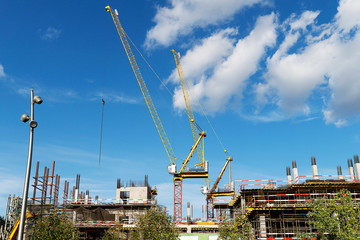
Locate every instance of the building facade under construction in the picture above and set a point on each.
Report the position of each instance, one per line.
(278, 209)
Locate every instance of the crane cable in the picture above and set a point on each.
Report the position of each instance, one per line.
(101, 131)
(202, 109)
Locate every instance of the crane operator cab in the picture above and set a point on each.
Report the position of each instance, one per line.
(172, 168)
(199, 171)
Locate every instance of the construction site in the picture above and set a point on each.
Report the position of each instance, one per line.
(276, 208)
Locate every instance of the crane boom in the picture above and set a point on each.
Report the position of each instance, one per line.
(190, 112)
(141, 82)
(229, 159)
(202, 134)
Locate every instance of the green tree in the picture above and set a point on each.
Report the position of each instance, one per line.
(55, 226)
(334, 219)
(155, 224)
(238, 228)
(114, 233)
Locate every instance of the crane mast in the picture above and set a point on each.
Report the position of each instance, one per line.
(141, 82)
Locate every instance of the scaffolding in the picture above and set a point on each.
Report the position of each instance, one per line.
(13, 210)
(277, 209)
(47, 185)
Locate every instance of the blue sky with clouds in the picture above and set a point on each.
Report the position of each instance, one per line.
(278, 80)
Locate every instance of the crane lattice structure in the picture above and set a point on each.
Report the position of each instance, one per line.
(201, 172)
(214, 192)
(194, 126)
(142, 85)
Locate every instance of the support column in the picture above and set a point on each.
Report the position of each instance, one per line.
(209, 208)
(295, 172)
(288, 175)
(351, 169)
(177, 199)
(357, 167)
(314, 168)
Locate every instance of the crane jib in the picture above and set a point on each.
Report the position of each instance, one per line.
(143, 87)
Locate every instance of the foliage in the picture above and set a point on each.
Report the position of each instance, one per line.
(334, 219)
(239, 228)
(55, 226)
(154, 224)
(114, 233)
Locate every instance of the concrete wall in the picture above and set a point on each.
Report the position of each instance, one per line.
(136, 192)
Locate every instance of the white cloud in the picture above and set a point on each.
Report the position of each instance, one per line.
(311, 63)
(228, 76)
(202, 58)
(329, 60)
(306, 19)
(291, 77)
(348, 16)
(182, 16)
(117, 98)
(2, 72)
(50, 33)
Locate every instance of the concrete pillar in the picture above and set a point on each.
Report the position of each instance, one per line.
(295, 172)
(357, 167)
(76, 199)
(288, 175)
(118, 186)
(87, 197)
(339, 171)
(77, 187)
(314, 168)
(188, 220)
(351, 169)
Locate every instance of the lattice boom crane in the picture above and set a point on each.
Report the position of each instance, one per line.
(182, 173)
(141, 82)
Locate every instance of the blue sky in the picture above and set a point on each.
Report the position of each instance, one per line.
(278, 81)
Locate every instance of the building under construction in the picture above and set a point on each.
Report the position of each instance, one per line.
(92, 216)
(278, 209)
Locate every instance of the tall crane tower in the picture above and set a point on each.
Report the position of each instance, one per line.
(201, 172)
(194, 128)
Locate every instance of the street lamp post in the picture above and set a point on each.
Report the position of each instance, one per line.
(33, 125)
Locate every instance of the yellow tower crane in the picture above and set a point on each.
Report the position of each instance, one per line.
(182, 173)
(214, 192)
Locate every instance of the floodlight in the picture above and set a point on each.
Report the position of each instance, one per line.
(24, 118)
(33, 124)
(38, 100)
